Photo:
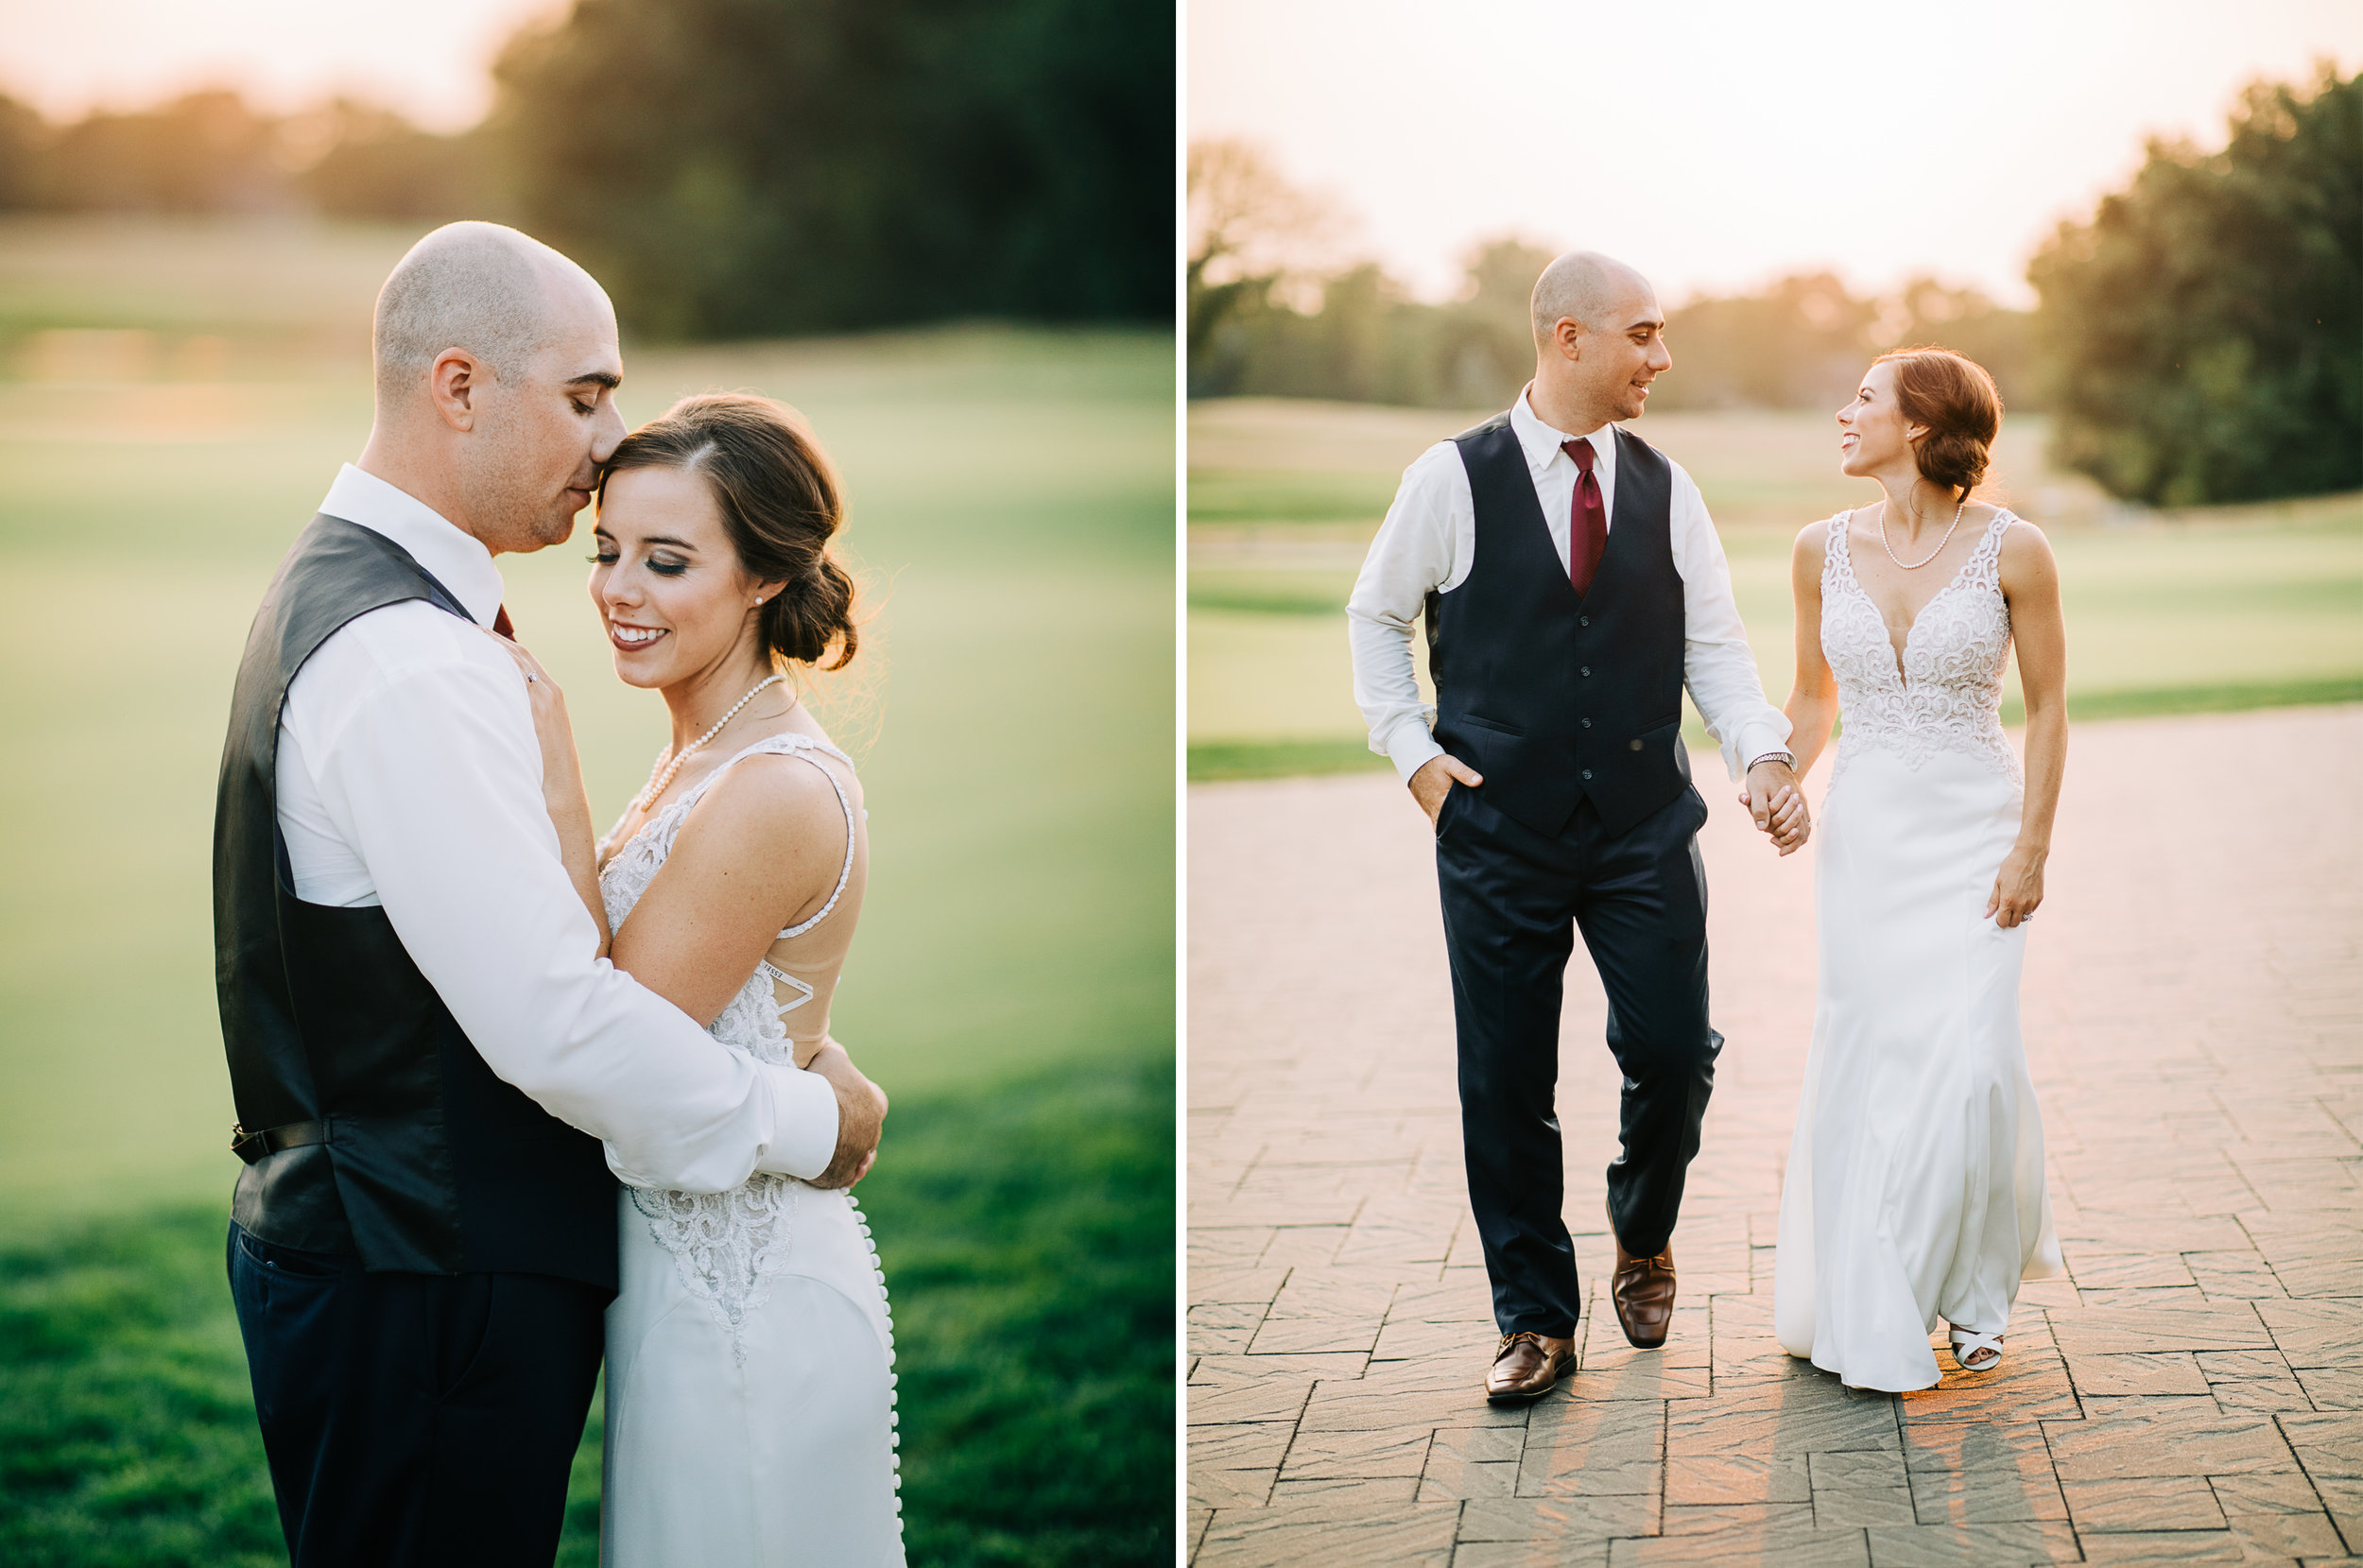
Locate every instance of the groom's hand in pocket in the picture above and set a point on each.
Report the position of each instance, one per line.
(1435, 779)
(861, 1107)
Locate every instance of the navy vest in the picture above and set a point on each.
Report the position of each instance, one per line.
(430, 1162)
(1550, 697)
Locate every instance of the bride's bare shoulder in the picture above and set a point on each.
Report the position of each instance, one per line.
(1813, 539)
(2024, 558)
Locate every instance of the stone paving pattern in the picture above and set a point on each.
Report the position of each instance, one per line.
(2193, 1392)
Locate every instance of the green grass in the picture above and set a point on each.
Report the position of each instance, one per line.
(1011, 497)
(2166, 612)
(1027, 1240)
(1278, 759)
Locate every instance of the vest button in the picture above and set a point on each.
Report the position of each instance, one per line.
(1585, 670)
(1633, 745)
(1586, 722)
(1583, 620)
(1587, 772)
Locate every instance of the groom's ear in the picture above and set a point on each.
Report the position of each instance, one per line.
(451, 385)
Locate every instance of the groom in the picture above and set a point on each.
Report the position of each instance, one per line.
(426, 1048)
(1572, 586)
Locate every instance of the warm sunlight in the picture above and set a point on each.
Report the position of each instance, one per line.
(1740, 141)
(431, 59)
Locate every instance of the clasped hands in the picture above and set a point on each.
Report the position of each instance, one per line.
(1775, 800)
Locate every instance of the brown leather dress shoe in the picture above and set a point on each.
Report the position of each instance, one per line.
(1643, 1293)
(1526, 1367)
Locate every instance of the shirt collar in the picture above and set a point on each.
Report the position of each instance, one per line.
(1541, 443)
(459, 560)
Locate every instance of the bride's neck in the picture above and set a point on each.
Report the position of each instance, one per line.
(1914, 503)
(699, 702)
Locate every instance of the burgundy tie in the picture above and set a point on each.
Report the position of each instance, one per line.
(1587, 521)
(500, 623)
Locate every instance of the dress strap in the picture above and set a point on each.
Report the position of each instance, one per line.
(1987, 558)
(1835, 550)
(795, 744)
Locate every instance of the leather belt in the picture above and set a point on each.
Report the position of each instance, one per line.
(251, 1147)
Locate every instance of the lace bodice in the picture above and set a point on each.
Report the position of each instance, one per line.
(1945, 693)
(728, 1243)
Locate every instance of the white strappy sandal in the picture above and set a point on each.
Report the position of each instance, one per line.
(1968, 1346)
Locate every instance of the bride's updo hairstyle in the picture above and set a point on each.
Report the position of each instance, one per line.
(1956, 399)
(781, 505)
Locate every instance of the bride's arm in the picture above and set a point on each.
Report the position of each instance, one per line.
(2031, 583)
(562, 790)
(1813, 696)
(762, 851)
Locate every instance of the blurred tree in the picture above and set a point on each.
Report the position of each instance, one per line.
(733, 166)
(1964, 320)
(211, 152)
(1481, 348)
(2205, 327)
(22, 135)
(203, 152)
(356, 160)
(1272, 313)
(1248, 228)
(1799, 344)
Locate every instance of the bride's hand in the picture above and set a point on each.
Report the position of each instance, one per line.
(2017, 888)
(563, 789)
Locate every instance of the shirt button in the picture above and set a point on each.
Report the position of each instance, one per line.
(1633, 745)
(1587, 772)
(1585, 670)
(1583, 620)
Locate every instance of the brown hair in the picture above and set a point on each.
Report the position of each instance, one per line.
(781, 505)
(1956, 399)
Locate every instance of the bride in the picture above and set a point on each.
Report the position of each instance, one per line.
(750, 1405)
(1915, 1185)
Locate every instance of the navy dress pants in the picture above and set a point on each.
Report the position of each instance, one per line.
(415, 1418)
(1514, 901)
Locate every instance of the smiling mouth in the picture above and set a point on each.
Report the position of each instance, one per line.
(632, 638)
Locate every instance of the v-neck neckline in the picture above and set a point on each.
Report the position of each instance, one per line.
(1902, 651)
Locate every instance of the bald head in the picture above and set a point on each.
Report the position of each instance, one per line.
(1589, 287)
(502, 296)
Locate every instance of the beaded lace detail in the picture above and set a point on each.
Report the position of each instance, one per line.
(727, 1246)
(1945, 693)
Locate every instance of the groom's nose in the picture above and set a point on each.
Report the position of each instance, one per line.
(607, 431)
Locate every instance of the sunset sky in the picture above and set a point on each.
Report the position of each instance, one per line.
(1715, 143)
(428, 57)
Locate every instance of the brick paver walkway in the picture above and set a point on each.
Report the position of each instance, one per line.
(2193, 1011)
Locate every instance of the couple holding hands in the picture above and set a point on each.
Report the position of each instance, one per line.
(1572, 586)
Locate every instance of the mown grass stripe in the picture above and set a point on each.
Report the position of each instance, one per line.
(1215, 761)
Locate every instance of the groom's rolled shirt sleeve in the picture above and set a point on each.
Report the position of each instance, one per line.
(1717, 665)
(434, 778)
(1411, 555)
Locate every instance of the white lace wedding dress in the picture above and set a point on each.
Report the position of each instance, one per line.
(750, 1400)
(1915, 1185)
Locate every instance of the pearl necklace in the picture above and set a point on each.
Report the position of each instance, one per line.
(1916, 565)
(661, 775)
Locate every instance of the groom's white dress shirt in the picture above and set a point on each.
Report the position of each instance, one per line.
(1428, 542)
(409, 777)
